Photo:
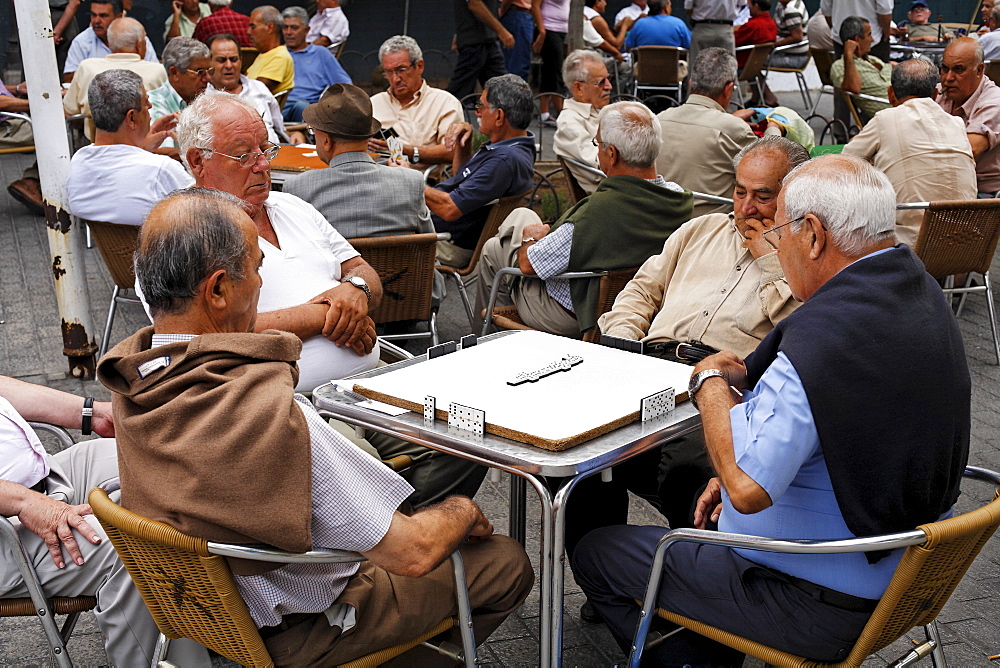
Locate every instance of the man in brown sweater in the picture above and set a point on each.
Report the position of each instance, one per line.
(213, 441)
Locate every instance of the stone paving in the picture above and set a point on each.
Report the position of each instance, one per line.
(31, 349)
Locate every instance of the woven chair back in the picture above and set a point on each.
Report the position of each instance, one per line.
(959, 237)
(189, 592)
(498, 214)
(117, 246)
(405, 265)
(992, 71)
(757, 61)
(656, 65)
(611, 284)
(248, 54)
(575, 191)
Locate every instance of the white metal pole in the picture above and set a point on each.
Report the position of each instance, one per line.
(66, 241)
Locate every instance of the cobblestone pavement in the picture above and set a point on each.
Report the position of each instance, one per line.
(31, 349)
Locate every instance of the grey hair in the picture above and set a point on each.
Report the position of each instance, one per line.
(575, 66)
(296, 13)
(116, 5)
(794, 153)
(995, 13)
(171, 264)
(112, 94)
(180, 51)
(512, 94)
(633, 129)
(916, 77)
(270, 14)
(196, 125)
(220, 3)
(401, 43)
(853, 27)
(124, 34)
(713, 70)
(855, 202)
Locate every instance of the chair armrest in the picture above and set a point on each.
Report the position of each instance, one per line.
(65, 440)
(6, 115)
(444, 236)
(711, 198)
(592, 171)
(865, 96)
(912, 205)
(394, 350)
(9, 538)
(785, 47)
(282, 557)
(746, 47)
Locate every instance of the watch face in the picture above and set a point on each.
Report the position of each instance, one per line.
(358, 281)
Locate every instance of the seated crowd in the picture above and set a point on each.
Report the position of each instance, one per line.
(256, 296)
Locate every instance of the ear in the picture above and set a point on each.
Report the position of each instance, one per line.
(502, 118)
(215, 290)
(817, 236)
(892, 96)
(196, 161)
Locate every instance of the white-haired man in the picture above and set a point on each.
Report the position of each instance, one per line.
(625, 221)
(788, 464)
(189, 68)
(418, 114)
(93, 42)
(223, 21)
(586, 77)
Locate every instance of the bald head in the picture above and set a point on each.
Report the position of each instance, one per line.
(967, 46)
(126, 35)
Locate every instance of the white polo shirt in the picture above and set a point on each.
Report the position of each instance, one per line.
(22, 457)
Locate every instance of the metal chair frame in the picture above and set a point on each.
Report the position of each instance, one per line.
(756, 64)
(658, 75)
(8, 115)
(823, 60)
(916, 537)
(849, 98)
(513, 271)
(800, 76)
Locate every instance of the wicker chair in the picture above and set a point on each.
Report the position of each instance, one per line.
(992, 70)
(575, 190)
(759, 53)
(936, 558)
(506, 317)
(960, 238)
(209, 610)
(501, 209)
(117, 246)
(405, 265)
(248, 54)
(657, 68)
(36, 604)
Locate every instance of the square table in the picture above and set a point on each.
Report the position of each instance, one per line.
(527, 464)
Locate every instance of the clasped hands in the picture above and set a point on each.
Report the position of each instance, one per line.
(347, 322)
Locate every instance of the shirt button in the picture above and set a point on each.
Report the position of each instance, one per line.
(705, 313)
(737, 267)
(722, 290)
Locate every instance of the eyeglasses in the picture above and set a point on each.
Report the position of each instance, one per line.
(599, 83)
(222, 60)
(399, 71)
(957, 69)
(480, 107)
(202, 71)
(766, 232)
(598, 144)
(248, 158)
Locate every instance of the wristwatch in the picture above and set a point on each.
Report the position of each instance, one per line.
(415, 158)
(362, 284)
(88, 414)
(698, 379)
(528, 240)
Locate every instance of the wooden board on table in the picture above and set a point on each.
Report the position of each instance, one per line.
(599, 395)
(295, 159)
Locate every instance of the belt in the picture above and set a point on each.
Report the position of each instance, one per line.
(714, 22)
(287, 622)
(837, 599)
(679, 351)
(520, 9)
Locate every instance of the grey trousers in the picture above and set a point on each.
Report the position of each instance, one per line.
(536, 308)
(705, 35)
(129, 631)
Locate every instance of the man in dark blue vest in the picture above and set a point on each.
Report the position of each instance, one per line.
(839, 432)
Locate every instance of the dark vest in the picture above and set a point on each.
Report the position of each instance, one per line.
(621, 225)
(883, 365)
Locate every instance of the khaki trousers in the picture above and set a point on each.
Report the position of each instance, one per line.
(535, 307)
(392, 609)
(451, 255)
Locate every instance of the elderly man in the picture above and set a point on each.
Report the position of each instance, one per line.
(46, 498)
(117, 179)
(273, 65)
(199, 263)
(315, 66)
(189, 68)
(224, 143)
(418, 114)
(184, 18)
(624, 222)
(788, 464)
(991, 40)
(857, 71)
(128, 45)
(659, 28)
(586, 77)
(93, 42)
(228, 63)
(921, 148)
(919, 28)
(501, 167)
(329, 25)
(967, 93)
(223, 21)
(700, 139)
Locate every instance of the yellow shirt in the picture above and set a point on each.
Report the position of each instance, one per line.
(276, 65)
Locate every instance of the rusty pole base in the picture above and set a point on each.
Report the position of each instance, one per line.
(79, 351)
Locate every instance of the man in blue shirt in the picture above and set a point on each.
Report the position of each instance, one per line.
(659, 28)
(502, 166)
(796, 452)
(315, 67)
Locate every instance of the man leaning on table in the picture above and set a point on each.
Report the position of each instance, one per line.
(796, 450)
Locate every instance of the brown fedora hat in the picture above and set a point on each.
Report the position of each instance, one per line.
(345, 112)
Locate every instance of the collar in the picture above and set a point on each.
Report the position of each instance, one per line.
(167, 339)
(585, 109)
(513, 141)
(416, 96)
(350, 156)
(703, 101)
(123, 57)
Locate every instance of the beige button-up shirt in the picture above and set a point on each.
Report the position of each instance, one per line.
(576, 128)
(700, 141)
(703, 288)
(980, 115)
(424, 120)
(924, 151)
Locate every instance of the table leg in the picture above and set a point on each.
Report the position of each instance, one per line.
(518, 507)
(545, 609)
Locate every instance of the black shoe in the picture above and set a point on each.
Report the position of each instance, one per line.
(589, 614)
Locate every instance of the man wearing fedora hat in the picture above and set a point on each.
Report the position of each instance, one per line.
(357, 196)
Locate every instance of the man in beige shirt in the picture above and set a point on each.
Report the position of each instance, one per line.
(700, 138)
(419, 115)
(921, 148)
(586, 77)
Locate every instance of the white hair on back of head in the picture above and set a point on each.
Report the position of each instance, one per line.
(575, 66)
(855, 202)
(633, 129)
(195, 126)
(124, 34)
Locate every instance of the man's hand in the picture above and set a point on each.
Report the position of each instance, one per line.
(506, 39)
(458, 135)
(178, 5)
(103, 423)
(744, 114)
(731, 366)
(536, 46)
(378, 145)
(481, 530)
(709, 504)
(347, 316)
(160, 130)
(54, 522)
(755, 241)
(850, 48)
(366, 342)
(535, 231)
